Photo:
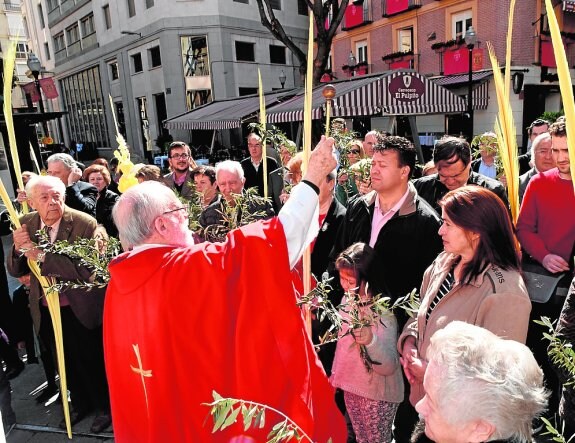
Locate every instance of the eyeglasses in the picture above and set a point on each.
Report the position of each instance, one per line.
(177, 209)
(180, 156)
(354, 151)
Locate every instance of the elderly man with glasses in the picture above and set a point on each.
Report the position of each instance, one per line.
(452, 157)
(181, 164)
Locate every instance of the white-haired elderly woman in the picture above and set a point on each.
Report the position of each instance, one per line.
(480, 387)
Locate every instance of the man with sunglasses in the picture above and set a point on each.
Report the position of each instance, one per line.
(181, 164)
(452, 157)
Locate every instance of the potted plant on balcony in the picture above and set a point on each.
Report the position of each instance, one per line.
(398, 56)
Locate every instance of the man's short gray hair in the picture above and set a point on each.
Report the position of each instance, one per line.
(44, 180)
(540, 138)
(66, 159)
(485, 377)
(232, 167)
(137, 208)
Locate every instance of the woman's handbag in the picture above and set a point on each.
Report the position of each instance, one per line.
(541, 284)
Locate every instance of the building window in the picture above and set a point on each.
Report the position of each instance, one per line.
(461, 22)
(41, 16)
(114, 71)
(22, 50)
(405, 39)
(247, 91)
(245, 51)
(302, 8)
(137, 63)
(276, 4)
(72, 34)
(149, 4)
(155, 57)
(87, 24)
(52, 4)
(47, 51)
(361, 51)
(107, 17)
(83, 99)
(277, 54)
(59, 44)
(195, 55)
(131, 8)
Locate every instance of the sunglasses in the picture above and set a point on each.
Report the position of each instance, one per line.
(354, 151)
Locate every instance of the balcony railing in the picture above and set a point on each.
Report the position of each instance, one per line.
(390, 8)
(352, 20)
(60, 55)
(89, 41)
(11, 6)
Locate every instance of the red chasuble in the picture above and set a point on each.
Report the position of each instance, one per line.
(181, 323)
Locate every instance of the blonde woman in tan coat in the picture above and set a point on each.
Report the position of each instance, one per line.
(476, 279)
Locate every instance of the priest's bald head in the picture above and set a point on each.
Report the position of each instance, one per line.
(150, 213)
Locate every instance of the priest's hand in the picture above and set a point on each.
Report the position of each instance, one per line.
(321, 162)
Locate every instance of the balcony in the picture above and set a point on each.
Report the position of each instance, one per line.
(11, 6)
(357, 14)
(393, 7)
(60, 55)
(89, 41)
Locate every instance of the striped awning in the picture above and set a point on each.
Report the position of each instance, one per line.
(481, 95)
(353, 97)
(224, 114)
(410, 93)
(375, 95)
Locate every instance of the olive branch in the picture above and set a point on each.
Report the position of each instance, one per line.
(562, 355)
(94, 253)
(354, 313)
(226, 411)
(249, 207)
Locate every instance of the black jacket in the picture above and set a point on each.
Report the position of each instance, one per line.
(432, 190)
(82, 197)
(326, 238)
(406, 246)
(256, 178)
(106, 202)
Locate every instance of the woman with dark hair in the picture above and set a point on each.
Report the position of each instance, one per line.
(476, 279)
(366, 365)
(99, 176)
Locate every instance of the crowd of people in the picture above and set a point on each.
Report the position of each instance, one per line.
(457, 368)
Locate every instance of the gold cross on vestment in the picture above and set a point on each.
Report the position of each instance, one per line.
(142, 372)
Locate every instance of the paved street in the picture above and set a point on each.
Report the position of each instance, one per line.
(36, 422)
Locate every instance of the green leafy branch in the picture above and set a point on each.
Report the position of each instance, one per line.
(560, 352)
(490, 143)
(556, 434)
(354, 313)
(226, 411)
(270, 133)
(93, 253)
(249, 207)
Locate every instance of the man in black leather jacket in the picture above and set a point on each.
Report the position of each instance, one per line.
(452, 157)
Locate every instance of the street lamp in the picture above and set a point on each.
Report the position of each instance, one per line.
(470, 40)
(35, 66)
(282, 78)
(352, 61)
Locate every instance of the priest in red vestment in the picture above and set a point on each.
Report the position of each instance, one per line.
(184, 320)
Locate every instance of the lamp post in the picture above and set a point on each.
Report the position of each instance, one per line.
(470, 40)
(282, 79)
(35, 66)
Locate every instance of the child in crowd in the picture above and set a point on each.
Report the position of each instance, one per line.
(366, 365)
